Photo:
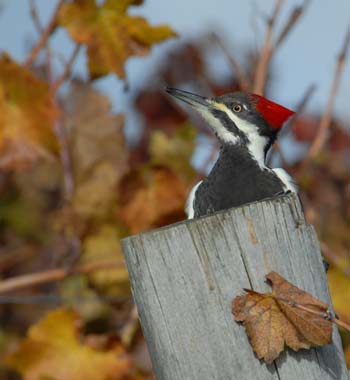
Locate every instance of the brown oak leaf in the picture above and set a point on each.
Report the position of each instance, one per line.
(110, 34)
(287, 316)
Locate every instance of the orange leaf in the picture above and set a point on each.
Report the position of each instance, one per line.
(27, 114)
(151, 197)
(287, 316)
(52, 350)
(110, 34)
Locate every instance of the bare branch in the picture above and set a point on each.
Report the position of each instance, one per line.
(341, 324)
(293, 18)
(239, 73)
(48, 63)
(35, 17)
(67, 69)
(33, 279)
(266, 52)
(300, 108)
(269, 48)
(51, 26)
(325, 122)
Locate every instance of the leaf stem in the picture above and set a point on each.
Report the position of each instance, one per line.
(323, 314)
(67, 70)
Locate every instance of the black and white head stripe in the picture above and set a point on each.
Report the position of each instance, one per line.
(231, 129)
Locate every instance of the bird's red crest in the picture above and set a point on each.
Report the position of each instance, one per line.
(272, 112)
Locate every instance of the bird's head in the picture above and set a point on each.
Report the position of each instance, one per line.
(239, 117)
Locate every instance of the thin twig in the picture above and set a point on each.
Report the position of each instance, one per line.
(299, 109)
(45, 299)
(341, 323)
(325, 122)
(301, 106)
(35, 17)
(67, 69)
(269, 48)
(239, 73)
(266, 53)
(293, 18)
(44, 35)
(39, 28)
(33, 279)
(319, 313)
(48, 63)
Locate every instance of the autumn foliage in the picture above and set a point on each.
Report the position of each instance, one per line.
(73, 183)
(286, 317)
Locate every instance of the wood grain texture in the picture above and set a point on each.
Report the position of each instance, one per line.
(185, 276)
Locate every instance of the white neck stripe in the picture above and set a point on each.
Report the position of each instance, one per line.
(257, 143)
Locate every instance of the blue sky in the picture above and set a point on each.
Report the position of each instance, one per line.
(307, 56)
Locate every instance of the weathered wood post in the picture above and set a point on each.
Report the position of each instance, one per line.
(184, 277)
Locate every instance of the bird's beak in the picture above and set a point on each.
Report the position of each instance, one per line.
(193, 100)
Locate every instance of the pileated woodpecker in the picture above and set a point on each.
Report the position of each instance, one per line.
(246, 126)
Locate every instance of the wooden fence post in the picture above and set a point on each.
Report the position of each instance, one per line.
(184, 277)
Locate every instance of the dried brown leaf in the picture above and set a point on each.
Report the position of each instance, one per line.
(287, 316)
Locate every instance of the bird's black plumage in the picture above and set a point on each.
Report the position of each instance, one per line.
(235, 179)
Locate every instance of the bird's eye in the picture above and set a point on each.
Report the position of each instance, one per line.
(237, 108)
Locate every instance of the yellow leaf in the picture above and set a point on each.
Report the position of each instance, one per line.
(110, 34)
(174, 152)
(27, 115)
(339, 284)
(347, 355)
(52, 350)
(151, 197)
(95, 197)
(105, 245)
